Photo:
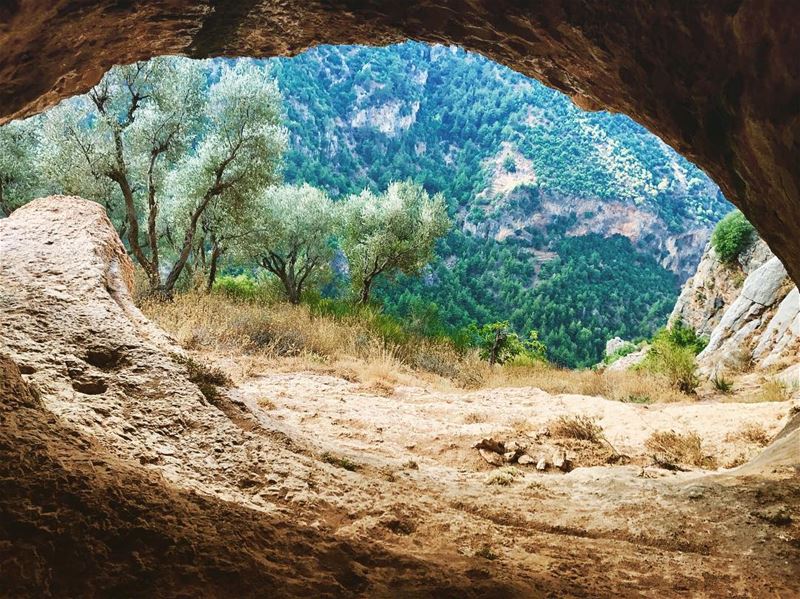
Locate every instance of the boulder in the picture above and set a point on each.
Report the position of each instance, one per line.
(614, 344)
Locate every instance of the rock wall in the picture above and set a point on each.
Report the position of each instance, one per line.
(750, 312)
(718, 81)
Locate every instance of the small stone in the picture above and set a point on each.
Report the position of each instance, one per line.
(541, 464)
(490, 445)
(510, 456)
(559, 459)
(513, 446)
(491, 457)
(525, 459)
(695, 492)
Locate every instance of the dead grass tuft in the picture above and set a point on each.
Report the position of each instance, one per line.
(474, 418)
(502, 477)
(582, 428)
(774, 390)
(754, 433)
(674, 450)
(208, 379)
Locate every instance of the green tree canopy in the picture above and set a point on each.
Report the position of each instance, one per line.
(390, 232)
(165, 149)
(294, 236)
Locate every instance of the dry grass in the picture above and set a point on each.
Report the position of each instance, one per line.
(752, 433)
(774, 390)
(582, 428)
(674, 450)
(250, 336)
(503, 476)
(209, 379)
(474, 418)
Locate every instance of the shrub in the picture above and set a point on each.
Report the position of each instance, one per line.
(498, 344)
(582, 428)
(676, 363)
(731, 236)
(246, 287)
(722, 384)
(671, 449)
(672, 354)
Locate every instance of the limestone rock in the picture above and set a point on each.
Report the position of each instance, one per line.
(559, 458)
(541, 465)
(525, 460)
(614, 344)
(629, 361)
(748, 331)
(490, 445)
(714, 287)
(490, 457)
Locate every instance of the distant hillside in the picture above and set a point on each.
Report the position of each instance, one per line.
(524, 171)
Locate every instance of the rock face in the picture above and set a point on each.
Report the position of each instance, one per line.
(714, 287)
(614, 344)
(718, 82)
(750, 311)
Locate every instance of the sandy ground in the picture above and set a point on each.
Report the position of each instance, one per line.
(420, 488)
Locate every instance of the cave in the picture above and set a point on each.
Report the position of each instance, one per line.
(720, 83)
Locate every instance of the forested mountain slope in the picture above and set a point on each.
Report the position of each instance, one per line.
(565, 221)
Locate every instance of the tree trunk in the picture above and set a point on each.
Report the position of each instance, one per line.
(365, 291)
(216, 252)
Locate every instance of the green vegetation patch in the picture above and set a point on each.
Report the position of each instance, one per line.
(732, 235)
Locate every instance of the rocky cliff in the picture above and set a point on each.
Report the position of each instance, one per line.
(750, 311)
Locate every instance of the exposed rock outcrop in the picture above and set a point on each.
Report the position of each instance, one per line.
(718, 82)
(750, 311)
(715, 286)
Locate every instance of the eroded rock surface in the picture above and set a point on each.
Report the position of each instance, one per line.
(117, 477)
(718, 81)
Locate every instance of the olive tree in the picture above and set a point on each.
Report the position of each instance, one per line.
(294, 238)
(395, 231)
(18, 174)
(168, 141)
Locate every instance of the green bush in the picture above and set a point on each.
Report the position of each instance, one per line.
(731, 236)
(673, 353)
(246, 287)
(498, 344)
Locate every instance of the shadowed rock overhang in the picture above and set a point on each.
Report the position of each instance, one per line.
(718, 81)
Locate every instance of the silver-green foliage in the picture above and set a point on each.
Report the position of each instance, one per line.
(294, 236)
(18, 183)
(391, 232)
(168, 153)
